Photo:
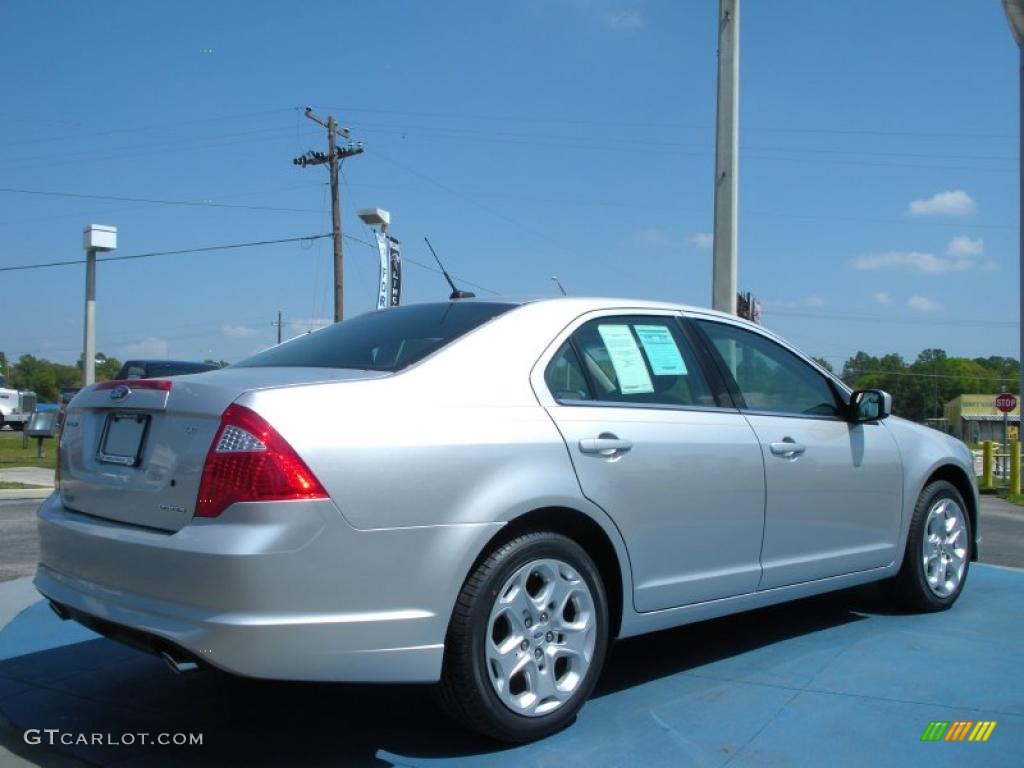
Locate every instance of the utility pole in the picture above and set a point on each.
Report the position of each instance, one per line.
(1015, 17)
(278, 324)
(723, 285)
(334, 153)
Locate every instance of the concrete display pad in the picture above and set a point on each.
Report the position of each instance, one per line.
(836, 680)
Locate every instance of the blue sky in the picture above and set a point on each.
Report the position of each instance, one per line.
(878, 176)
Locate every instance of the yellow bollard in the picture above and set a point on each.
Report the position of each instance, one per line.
(986, 464)
(1015, 467)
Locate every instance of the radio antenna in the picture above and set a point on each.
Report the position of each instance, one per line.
(456, 293)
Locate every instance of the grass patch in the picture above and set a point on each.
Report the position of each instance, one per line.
(5, 486)
(13, 455)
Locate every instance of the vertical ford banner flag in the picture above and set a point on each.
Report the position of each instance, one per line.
(390, 292)
(385, 271)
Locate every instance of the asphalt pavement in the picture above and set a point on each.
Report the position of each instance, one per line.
(19, 547)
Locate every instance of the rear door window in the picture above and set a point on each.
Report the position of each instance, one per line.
(638, 359)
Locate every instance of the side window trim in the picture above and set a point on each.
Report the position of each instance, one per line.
(734, 387)
(723, 388)
(570, 344)
(708, 346)
(591, 389)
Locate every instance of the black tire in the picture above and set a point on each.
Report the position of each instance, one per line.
(465, 690)
(909, 588)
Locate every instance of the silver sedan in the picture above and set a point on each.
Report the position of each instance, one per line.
(484, 494)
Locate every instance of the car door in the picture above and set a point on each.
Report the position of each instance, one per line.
(656, 442)
(834, 488)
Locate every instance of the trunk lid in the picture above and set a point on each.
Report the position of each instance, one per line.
(137, 457)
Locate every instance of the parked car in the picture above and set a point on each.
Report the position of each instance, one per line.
(161, 369)
(485, 494)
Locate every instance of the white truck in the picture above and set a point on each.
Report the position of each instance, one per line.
(15, 407)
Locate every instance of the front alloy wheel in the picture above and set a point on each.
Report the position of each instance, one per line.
(527, 639)
(938, 553)
(945, 549)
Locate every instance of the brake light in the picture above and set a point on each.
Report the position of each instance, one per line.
(160, 384)
(250, 461)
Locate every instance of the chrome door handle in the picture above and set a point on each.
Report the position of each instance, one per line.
(788, 448)
(604, 446)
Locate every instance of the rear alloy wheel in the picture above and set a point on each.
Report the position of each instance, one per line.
(938, 554)
(527, 639)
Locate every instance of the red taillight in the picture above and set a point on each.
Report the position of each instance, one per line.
(160, 384)
(250, 461)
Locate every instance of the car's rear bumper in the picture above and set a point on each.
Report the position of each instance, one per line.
(275, 590)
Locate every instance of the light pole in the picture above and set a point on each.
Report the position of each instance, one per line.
(390, 286)
(1015, 16)
(95, 238)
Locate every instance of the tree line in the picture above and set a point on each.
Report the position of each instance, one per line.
(919, 389)
(47, 378)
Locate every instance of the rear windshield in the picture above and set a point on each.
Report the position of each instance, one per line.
(385, 340)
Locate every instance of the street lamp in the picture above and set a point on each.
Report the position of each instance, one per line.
(1015, 16)
(376, 217)
(95, 238)
(390, 283)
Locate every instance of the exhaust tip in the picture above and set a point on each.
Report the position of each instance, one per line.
(60, 610)
(177, 666)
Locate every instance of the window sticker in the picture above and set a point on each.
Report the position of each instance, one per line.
(661, 350)
(626, 359)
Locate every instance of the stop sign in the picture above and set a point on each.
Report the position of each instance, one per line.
(1006, 402)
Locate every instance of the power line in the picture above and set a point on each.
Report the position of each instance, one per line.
(856, 372)
(604, 124)
(407, 259)
(890, 319)
(153, 127)
(153, 201)
(167, 253)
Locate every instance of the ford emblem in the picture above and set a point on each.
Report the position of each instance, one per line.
(120, 392)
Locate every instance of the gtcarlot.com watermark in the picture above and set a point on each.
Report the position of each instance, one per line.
(54, 737)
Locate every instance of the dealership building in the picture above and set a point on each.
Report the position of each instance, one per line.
(974, 418)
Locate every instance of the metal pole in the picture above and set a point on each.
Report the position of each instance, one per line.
(1020, 224)
(723, 286)
(89, 353)
(339, 267)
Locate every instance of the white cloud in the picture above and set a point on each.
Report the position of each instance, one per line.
(882, 298)
(954, 202)
(963, 246)
(919, 261)
(151, 347)
(658, 238)
(814, 301)
(923, 304)
(702, 240)
(238, 331)
(625, 20)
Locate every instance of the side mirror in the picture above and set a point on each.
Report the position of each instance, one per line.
(870, 405)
